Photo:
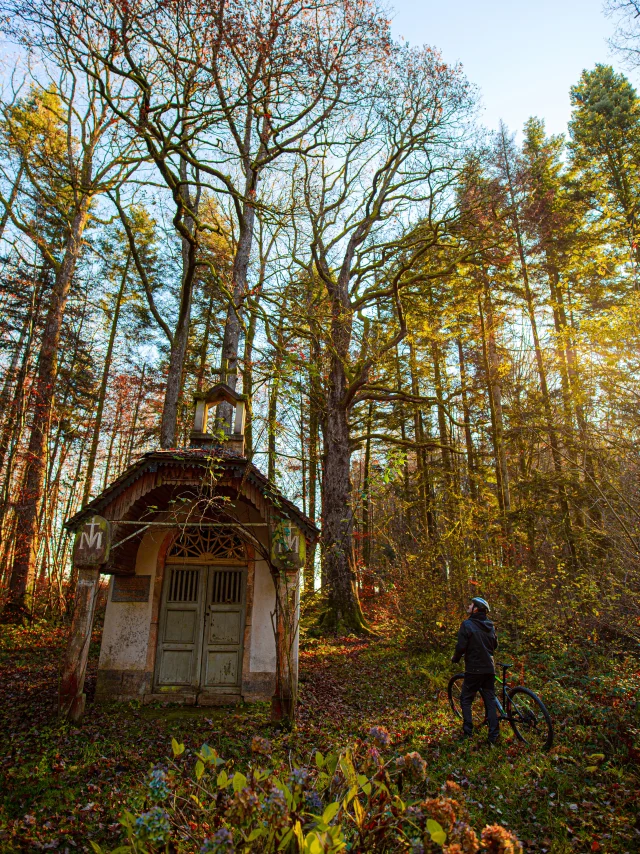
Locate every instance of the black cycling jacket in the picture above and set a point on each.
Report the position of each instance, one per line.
(477, 641)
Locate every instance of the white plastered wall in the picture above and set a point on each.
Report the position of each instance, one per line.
(263, 644)
(126, 624)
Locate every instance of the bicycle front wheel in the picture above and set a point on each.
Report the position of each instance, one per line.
(529, 718)
(478, 713)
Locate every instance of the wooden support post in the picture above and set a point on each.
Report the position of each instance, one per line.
(72, 699)
(284, 701)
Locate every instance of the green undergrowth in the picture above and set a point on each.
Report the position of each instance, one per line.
(63, 786)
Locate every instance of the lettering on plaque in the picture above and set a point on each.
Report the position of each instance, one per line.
(93, 542)
(131, 588)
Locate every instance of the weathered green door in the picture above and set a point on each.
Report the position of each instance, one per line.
(180, 630)
(223, 630)
(201, 631)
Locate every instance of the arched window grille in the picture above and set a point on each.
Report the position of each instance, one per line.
(205, 544)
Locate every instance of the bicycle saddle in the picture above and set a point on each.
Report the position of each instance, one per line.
(501, 664)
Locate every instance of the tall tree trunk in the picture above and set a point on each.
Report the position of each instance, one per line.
(445, 449)
(204, 347)
(247, 361)
(427, 508)
(344, 611)
(46, 522)
(10, 202)
(407, 522)
(471, 466)
(303, 452)
(572, 392)
(274, 392)
(447, 560)
(30, 493)
(494, 393)
(549, 417)
(112, 440)
(72, 506)
(173, 390)
(14, 411)
(72, 497)
(134, 422)
(102, 392)
(247, 384)
(560, 340)
(10, 442)
(232, 328)
(366, 494)
(11, 383)
(51, 481)
(314, 426)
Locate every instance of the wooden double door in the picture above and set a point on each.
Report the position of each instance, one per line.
(201, 631)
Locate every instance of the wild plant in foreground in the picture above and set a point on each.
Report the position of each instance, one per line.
(354, 799)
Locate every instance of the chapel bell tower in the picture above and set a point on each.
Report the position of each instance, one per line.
(206, 432)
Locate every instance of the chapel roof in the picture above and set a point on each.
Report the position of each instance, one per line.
(234, 464)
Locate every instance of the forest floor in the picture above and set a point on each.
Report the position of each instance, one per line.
(63, 785)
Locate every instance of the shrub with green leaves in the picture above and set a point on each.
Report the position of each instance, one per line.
(354, 800)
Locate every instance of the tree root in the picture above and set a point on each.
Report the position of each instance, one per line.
(337, 622)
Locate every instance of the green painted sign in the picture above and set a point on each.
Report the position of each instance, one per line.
(288, 546)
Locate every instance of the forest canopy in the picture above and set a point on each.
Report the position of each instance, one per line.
(434, 325)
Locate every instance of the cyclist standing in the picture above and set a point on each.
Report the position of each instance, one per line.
(477, 641)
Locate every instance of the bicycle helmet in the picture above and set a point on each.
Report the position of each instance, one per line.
(481, 604)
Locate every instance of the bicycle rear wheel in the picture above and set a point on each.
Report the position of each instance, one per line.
(529, 718)
(478, 712)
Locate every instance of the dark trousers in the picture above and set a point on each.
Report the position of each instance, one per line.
(484, 683)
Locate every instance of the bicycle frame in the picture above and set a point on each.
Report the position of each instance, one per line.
(502, 715)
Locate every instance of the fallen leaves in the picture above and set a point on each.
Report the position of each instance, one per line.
(61, 784)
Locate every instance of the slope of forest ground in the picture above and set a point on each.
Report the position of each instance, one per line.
(63, 785)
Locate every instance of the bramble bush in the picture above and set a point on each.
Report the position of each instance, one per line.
(354, 800)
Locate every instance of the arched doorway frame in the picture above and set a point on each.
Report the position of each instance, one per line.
(164, 561)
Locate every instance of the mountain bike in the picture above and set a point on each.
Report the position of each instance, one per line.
(525, 711)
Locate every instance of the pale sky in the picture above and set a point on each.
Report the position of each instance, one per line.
(523, 54)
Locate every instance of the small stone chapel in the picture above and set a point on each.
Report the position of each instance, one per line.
(203, 555)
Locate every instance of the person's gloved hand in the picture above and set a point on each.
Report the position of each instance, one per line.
(454, 660)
